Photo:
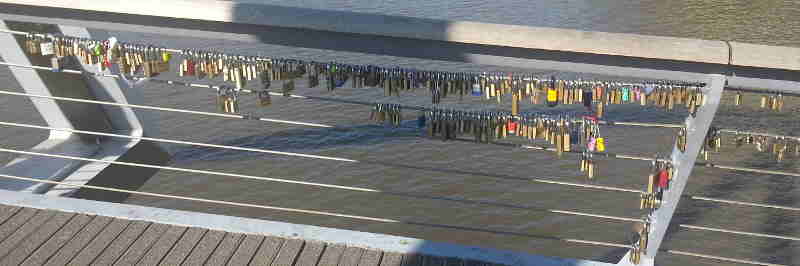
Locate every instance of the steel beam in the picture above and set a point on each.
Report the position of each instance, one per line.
(683, 162)
(89, 117)
(55, 114)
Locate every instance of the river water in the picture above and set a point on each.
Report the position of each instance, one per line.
(404, 160)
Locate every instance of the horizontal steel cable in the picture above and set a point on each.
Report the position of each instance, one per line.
(539, 180)
(785, 93)
(698, 255)
(704, 228)
(356, 217)
(147, 107)
(744, 169)
(640, 124)
(743, 203)
(734, 131)
(351, 188)
(603, 154)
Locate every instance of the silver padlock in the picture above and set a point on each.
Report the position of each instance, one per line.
(57, 63)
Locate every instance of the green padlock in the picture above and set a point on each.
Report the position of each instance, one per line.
(626, 94)
(98, 49)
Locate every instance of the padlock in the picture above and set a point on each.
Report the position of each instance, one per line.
(264, 98)
(57, 63)
(552, 93)
(601, 144)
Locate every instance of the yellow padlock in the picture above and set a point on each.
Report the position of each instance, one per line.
(601, 144)
(552, 95)
(166, 56)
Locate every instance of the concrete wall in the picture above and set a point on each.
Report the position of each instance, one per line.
(632, 45)
(631, 55)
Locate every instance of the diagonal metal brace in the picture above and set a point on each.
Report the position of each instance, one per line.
(696, 128)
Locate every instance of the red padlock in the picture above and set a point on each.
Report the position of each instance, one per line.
(663, 179)
(190, 68)
(512, 127)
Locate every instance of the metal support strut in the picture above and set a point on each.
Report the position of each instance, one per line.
(80, 116)
(696, 128)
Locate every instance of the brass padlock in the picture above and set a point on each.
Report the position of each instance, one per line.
(264, 98)
(635, 257)
(222, 99)
(233, 103)
(566, 139)
(600, 110)
(515, 97)
(681, 141)
(738, 99)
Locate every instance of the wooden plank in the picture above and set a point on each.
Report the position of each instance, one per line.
(310, 254)
(79, 241)
(225, 249)
(16, 221)
(286, 253)
(142, 245)
(13, 240)
(7, 211)
(331, 255)
(246, 250)
(434, 261)
(40, 256)
(454, 262)
(371, 257)
(392, 259)
(32, 242)
(181, 250)
(91, 251)
(268, 252)
(121, 243)
(204, 248)
(351, 256)
(162, 246)
(412, 260)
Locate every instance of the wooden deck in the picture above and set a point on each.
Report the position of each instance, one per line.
(31, 236)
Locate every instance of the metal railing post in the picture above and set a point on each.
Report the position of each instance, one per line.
(696, 129)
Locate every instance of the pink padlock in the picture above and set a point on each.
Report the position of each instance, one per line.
(591, 144)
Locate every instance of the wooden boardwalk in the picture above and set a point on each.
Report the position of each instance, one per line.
(31, 236)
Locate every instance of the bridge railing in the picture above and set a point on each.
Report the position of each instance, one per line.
(717, 65)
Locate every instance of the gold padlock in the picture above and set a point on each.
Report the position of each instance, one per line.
(222, 100)
(738, 99)
(233, 103)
